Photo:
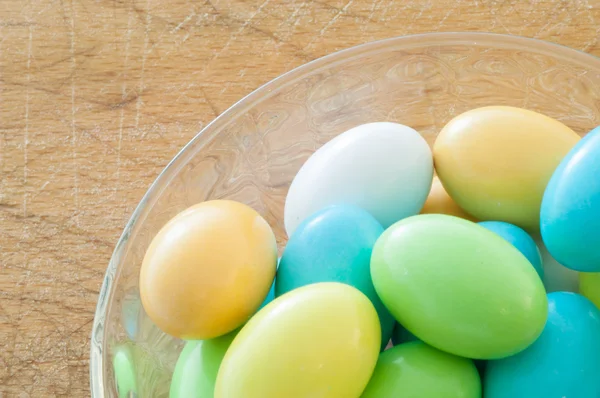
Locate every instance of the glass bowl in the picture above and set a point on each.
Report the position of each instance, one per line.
(252, 151)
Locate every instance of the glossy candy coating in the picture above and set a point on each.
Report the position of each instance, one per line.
(416, 370)
(563, 362)
(519, 239)
(384, 168)
(495, 161)
(334, 245)
(197, 367)
(570, 215)
(438, 275)
(208, 270)
(320, 340)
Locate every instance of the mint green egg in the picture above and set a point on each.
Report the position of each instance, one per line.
(416, 370)
(197, 367)
(459, 287)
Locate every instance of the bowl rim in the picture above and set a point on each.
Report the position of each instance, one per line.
(263, 92)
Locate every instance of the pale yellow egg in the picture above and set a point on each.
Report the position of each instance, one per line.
(496, 161)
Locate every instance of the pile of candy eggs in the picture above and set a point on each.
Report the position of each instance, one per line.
(480, 275)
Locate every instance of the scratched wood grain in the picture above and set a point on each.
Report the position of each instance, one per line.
(97, 95)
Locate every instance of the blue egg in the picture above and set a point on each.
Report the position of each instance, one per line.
(563, 362)
(570, 214)
(519, 239)
(334, 245)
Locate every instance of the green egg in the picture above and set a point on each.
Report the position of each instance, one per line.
(416, 370)
(459, 287)
(197, 367)
(124, 368)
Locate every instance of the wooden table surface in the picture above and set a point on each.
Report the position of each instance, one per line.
(97, 95)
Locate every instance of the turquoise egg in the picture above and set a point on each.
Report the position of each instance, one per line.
(563, 362)
(520, 239)
(334, 245)
(270, 296)
(570, 214)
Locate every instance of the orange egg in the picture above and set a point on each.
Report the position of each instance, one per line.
(496, 161)
(208, 270)
(439, 202)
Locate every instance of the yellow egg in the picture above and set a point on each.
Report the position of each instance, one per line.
(208, 270)
(496, 161)
(320, 340)
(439, 202)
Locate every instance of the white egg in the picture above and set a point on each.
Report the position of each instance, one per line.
(385, 168)
(557, 277)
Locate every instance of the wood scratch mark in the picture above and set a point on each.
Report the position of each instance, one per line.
(234, 36)
(497, 19)
(443, 20)
(138, 103)
(2, 131)
(293, 17)
(340, 12)
(73, 129)
(26, 133)
(40, 189)
(209, 102)
(590, 44)
(182, 23)
(356, 17)
(123, 96)
(373, 8)
(21, 287)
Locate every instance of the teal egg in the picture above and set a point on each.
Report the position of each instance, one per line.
(570, 213)
(270, 296)
(563, 362)
(334, 245)
(520, 239)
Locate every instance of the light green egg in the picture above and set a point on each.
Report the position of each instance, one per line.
(416, 370)
(589, 286)
(319, 340)
(197, 367)
(459, 287)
